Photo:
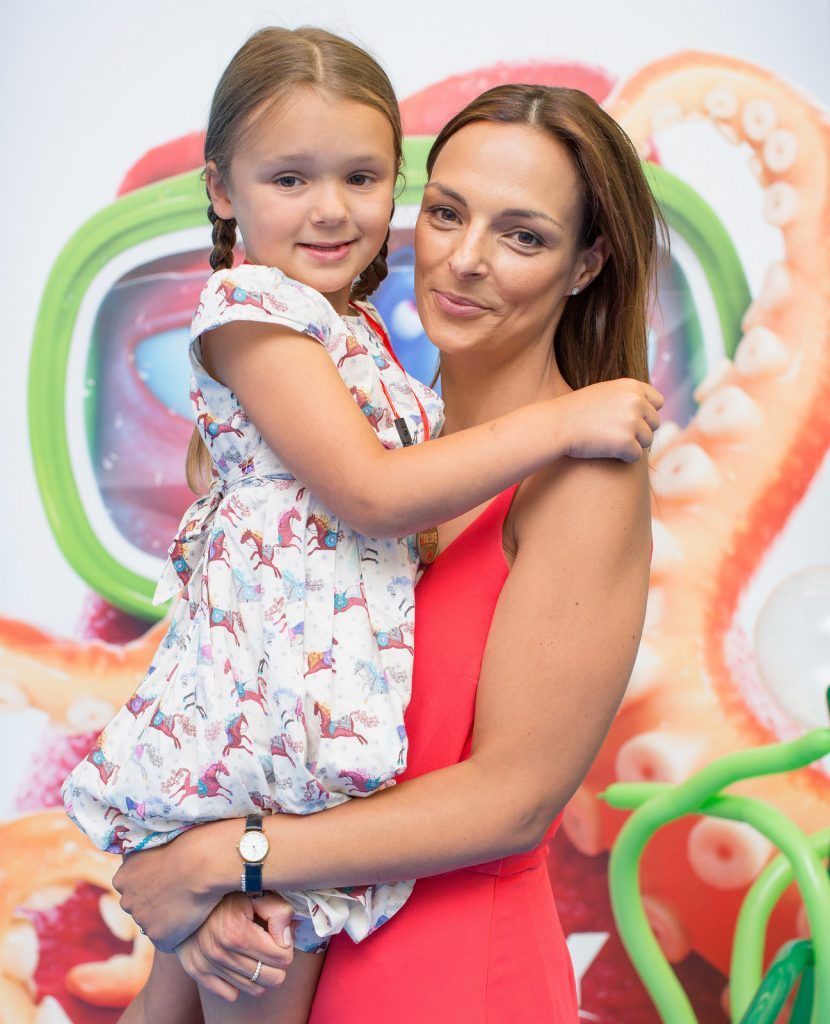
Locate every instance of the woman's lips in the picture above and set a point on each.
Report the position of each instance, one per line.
(327, 253)
(457, 305)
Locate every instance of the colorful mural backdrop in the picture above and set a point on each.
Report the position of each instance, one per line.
(735, 649)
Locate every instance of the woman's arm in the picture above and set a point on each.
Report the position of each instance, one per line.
(559, 654)
(322, 436)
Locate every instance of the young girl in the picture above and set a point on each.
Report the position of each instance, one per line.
(282, 682)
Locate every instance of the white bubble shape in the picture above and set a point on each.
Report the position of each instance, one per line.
(582, 824)
(685, 471)
(721, 102)
(777, 286)
(20, 951)
(780, 151)
(713, 379)
(657, 757)
(665, 115)
(663, 437)
(758, 119)
(728, 412)
(726, 854)
(792, 645)
(405, 320)
(667, 549)
(760, 352)
(668, 929)
(86, 714)
(780, 204)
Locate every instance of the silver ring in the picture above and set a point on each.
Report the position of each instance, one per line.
(255, 975)
(141, 930)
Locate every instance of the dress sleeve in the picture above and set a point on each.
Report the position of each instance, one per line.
(264, 295)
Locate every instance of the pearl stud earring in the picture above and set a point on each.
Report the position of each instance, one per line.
(575, 291)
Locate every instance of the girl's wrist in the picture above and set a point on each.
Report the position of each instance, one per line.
(215, 867)
(556, 426)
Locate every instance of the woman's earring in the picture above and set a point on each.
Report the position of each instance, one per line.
(575, 291)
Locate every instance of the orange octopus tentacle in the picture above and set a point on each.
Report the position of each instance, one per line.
(724, 488)
(64, 859)
(80, 685)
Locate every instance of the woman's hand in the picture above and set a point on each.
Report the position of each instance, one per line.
(167, 890)
(222, 955)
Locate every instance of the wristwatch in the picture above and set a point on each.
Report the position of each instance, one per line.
(253, 849)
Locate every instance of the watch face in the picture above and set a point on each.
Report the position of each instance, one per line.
(253, 846)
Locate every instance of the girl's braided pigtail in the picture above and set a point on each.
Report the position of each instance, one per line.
(369, 281)
(224, 240)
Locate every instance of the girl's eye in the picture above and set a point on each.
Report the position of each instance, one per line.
(527, 239)
(360, 179)
(287, 181)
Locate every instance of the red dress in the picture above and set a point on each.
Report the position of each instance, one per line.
(480, 945)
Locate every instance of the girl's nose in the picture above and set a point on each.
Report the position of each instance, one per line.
(330, 206)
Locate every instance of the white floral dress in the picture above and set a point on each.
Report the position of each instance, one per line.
(282, 681)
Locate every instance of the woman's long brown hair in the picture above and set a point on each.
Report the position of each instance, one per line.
(602, 333)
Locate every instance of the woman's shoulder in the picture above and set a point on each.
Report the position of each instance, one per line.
(574, 501)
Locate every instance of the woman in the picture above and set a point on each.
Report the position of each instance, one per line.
(536, 246)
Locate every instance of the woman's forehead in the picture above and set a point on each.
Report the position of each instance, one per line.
(509, 166)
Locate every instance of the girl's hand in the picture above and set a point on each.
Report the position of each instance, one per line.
(165, 889)
(222, 955)
(614, 419)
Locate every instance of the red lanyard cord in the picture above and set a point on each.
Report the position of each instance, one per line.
(384, 337)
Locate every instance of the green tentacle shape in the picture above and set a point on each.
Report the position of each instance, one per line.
(748, 947)
(657, 804)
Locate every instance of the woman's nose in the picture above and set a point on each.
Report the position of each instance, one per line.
(467, 259)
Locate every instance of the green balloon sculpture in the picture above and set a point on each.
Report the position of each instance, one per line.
(753, 999)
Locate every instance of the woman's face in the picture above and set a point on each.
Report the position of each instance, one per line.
(496, 241)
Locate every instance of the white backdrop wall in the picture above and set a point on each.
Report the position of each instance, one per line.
(88, 89)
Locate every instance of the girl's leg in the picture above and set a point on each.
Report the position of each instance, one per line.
(169, 996)
(288, 1004)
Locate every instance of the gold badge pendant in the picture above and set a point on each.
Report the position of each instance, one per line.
(428, 545)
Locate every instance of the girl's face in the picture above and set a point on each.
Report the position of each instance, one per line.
(310, 186)
(496, 241)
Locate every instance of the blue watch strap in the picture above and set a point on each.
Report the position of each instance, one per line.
(252, 879)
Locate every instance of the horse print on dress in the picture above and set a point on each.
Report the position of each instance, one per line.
(324, 535)
(344, 726)
(242, 691)
(234, 732)
(166, 724)
(107, 770)
(211, 427)
(262, 551)
(363, 783)
(207, 785)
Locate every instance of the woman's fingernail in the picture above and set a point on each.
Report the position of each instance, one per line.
(287, 936)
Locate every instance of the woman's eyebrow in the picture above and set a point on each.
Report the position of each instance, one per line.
(531, 214)
(446, 191)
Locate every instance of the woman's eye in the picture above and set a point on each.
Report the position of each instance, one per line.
(287, 181)
(360, 179)
(443, 213)
(527, 239)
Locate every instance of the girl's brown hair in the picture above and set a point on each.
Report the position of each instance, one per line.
(601, 334)
(272, 63)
